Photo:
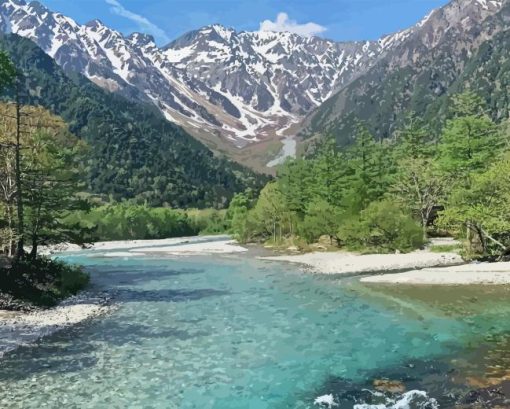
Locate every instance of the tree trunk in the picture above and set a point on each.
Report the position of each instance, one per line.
(19, 194)
(33, 252)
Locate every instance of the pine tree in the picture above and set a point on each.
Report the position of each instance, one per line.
(418, 185)
(470, 140)
(370, 166)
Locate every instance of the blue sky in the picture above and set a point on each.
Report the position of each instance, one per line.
(335, 19)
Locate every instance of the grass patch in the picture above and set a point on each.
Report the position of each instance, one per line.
(445, 248)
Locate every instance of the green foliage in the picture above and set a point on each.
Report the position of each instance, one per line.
(128, 221)
(382, 196)
(446, 248)
(42, 281)
(325, 180)
(418, 183)
(482, 209)
(382, 227)
(470, 140)
(51, 180)
(207, 221)
(7, 71)
(471, 149)
(320, 219)
(414, 140)
(134, 222)
(237, 216)
(270, 218)
(370, 167)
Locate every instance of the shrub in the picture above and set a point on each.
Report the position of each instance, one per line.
(320, 219)
(382, 227)
(207, 221)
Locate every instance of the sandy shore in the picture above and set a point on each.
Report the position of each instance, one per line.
(180, 246)
(195, 249)
(343, 263)
(22, 329)
(469, 274)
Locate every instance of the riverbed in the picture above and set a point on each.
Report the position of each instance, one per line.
(226, 331)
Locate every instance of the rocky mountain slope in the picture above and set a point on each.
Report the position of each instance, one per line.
(418, 75)
(219, 84)
(240, 91)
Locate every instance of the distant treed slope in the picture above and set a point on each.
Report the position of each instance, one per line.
(417, 76)
(135, 152)
(487, 74)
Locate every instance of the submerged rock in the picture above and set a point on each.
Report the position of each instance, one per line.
(385, 385)
(493, 397)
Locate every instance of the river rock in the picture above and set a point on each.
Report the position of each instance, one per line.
(386, 385)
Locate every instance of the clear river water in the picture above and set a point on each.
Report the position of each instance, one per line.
(239, 332)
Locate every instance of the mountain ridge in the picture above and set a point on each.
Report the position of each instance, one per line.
(415, 76)
(237, 92)
(241, 87)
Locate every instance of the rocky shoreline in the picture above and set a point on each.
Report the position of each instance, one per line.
(350, 264)
(27, 326)
(468, 274)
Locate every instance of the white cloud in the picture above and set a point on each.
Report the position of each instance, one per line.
(141, 21)
(284, 23)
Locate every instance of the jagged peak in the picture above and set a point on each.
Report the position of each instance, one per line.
(220, 30)
(96, 23)
(141, 39)
(38, 7)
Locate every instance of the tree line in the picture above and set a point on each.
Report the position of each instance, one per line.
(390, 194)
(131, 221)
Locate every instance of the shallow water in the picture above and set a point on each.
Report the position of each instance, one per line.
(230, 332)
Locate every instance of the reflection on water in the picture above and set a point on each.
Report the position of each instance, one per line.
(234, 332)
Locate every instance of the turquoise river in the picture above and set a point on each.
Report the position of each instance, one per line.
(234, 331)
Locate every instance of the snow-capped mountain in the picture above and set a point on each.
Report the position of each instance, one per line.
(214, 81)
(217, 83)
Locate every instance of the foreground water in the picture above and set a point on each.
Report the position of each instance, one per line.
(235, 332)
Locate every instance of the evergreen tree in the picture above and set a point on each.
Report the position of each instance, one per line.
(52, 179)
(418, 184)
(470, 140)
(328, 170)
(7, 71)
(321, 219)
(271, 213)
(297, 182)
(414, 140)
(370, 167)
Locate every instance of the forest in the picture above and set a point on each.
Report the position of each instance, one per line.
(391, 194)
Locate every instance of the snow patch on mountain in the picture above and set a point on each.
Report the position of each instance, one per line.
(244, 87)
